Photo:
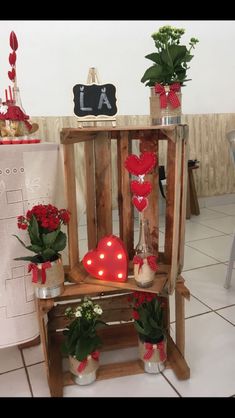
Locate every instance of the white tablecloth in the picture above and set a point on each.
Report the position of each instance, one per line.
(29, 174)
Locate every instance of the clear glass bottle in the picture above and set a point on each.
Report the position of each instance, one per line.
(143, 273)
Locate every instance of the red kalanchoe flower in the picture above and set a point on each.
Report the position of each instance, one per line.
(43, 223)
(147, 313)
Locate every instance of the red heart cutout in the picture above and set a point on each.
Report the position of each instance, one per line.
(141, 189)
(140, 204)
(12, 74)
(140, 165)
(109, 261)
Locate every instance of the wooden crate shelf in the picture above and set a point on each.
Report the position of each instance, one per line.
(168, 280)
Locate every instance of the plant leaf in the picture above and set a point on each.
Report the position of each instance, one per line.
(34, 232)
(60, 242)
(35, 248)
(49, 239)
(20, 240)
(33, 259)
(48, 254)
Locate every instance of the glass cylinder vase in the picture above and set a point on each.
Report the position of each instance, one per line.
(168, 115)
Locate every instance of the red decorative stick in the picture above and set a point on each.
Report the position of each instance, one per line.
(12, 57)
(10, 92)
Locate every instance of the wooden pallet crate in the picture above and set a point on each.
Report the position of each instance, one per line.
(97, 154)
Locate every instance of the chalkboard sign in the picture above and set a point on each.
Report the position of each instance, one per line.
(95, 100)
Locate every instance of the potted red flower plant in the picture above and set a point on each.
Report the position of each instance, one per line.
(148, 309)
(43, 224)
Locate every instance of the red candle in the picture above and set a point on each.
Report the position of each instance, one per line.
(10, 93)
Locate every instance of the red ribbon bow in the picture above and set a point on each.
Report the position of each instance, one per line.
(95, 355)
(35, 269)
(171, 96)
(151, 260)
(150, 349)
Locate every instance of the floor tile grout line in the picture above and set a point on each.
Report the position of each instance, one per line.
(13, 370)
(201, 267)
(194, 316)
(225, 307)
(27, 373)
(225, 318)
(212, 309)
(218, 261)
(214, 229)
(171, 384)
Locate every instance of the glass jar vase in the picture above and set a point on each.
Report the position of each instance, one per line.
(144, 271)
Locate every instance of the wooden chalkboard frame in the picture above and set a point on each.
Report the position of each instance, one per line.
(95, 100)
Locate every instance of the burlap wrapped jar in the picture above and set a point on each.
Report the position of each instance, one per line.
(54, 279)
(164, 115)
(153, 356)
(144, 275)
(88, 374)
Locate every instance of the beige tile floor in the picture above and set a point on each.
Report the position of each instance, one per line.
(210, 328)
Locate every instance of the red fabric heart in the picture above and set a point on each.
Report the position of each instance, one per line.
(141, 189)
(140, 204)
(140, 165)
(12, 74)
(109, 261)
(12, 58)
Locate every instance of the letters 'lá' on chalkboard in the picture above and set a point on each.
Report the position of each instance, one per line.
(95, 100)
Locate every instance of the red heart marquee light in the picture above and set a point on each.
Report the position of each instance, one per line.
(109, 261)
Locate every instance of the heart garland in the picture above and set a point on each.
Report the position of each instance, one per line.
(140, 166)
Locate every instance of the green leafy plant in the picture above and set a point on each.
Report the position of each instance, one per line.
(148, 311)
(43, 223)
(171, 59)
(81, 337)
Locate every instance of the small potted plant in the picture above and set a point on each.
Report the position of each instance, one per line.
(82, 342)
(148, 321)
(168, 73)
(43, 224)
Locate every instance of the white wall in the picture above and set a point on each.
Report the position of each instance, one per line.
(53, 56)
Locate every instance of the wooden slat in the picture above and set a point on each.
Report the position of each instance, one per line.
(170, 190)
(90, 195)
(176, 213)
(150, 143)
(103, 175)
(177, 361)
(157, 286)
(116, 301)
(70, 186)
(55, 368)
(179, 321)
(81, 289)
(183, 201)
(110, 371)
(125, 206)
